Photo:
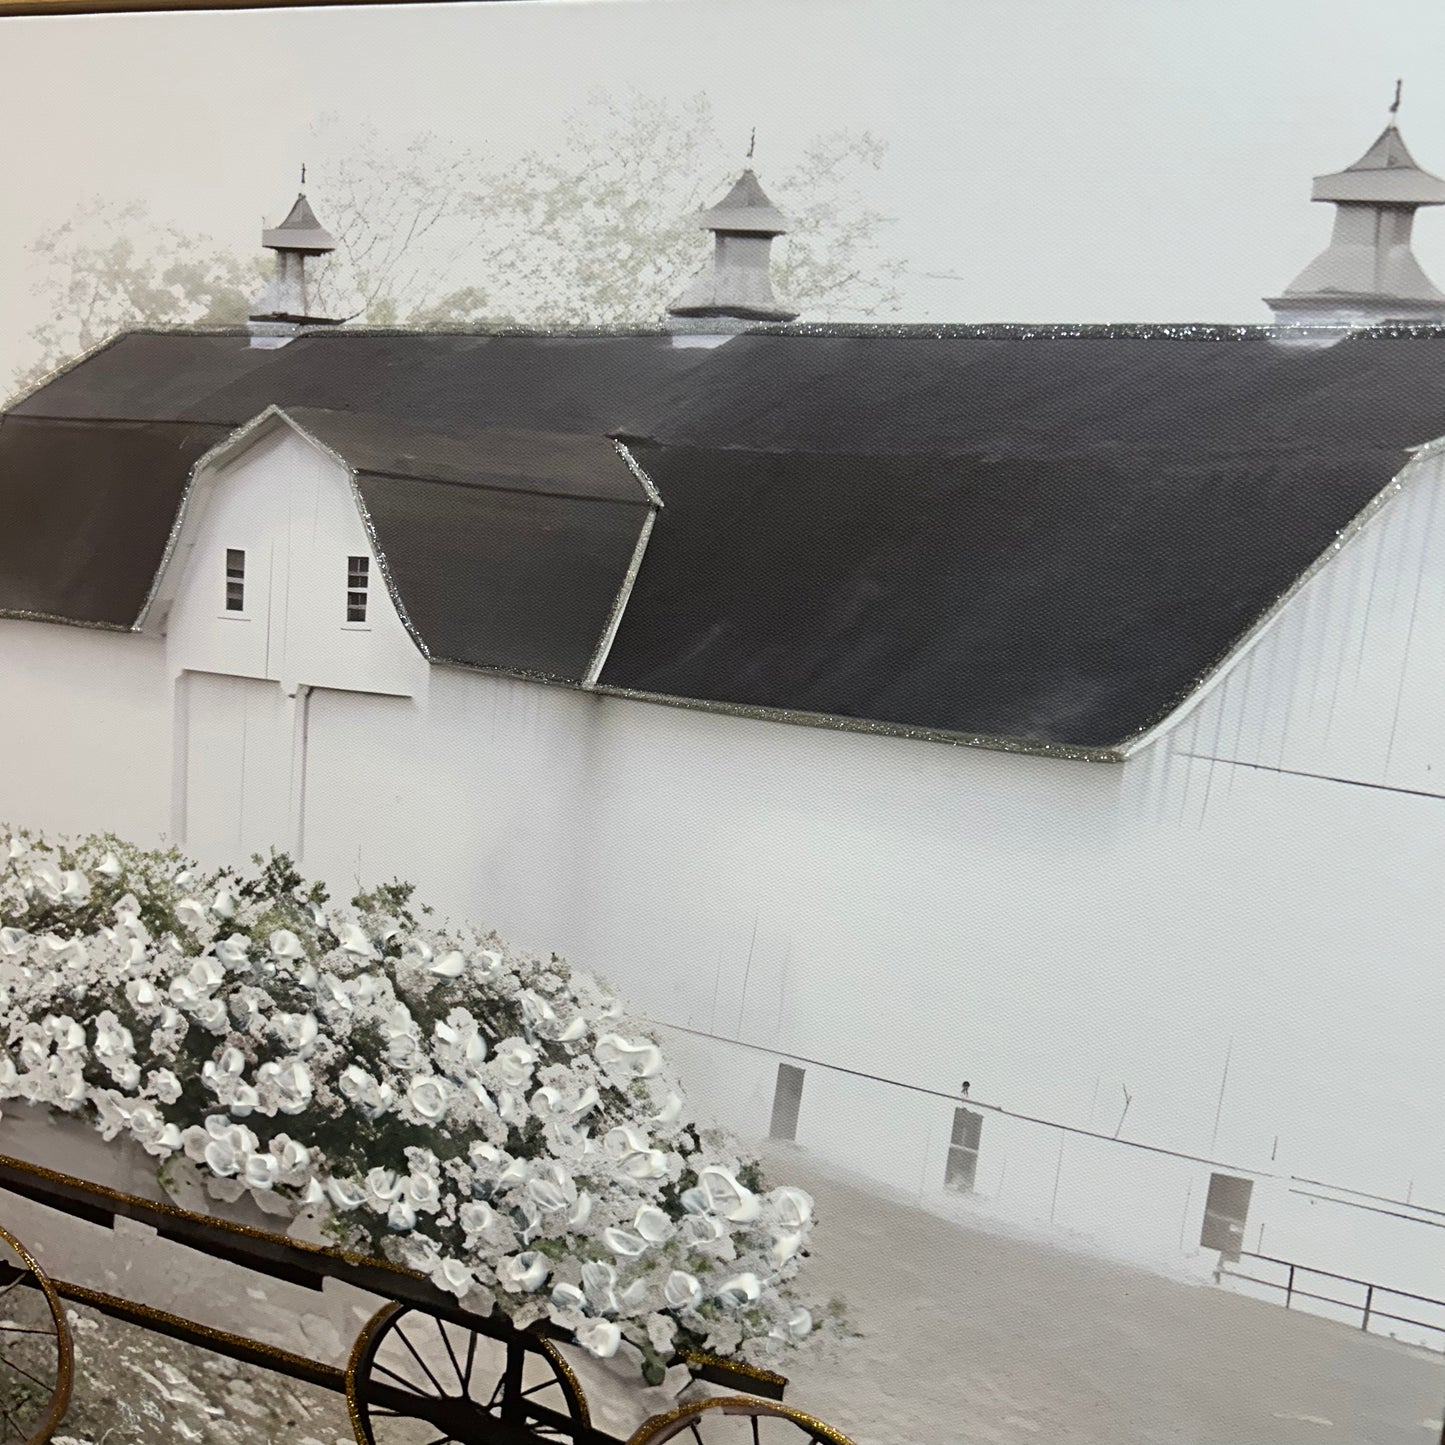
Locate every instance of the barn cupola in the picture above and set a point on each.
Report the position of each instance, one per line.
(736, 290)
(289, 301)
(1369, 275)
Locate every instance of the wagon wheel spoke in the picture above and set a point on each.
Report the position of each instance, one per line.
(408, 1364)
(35, 1349)
(21, 1370)
(426, 1369)
(471, 1358)
(452, 1354)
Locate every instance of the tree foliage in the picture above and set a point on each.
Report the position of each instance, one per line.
(599, 230)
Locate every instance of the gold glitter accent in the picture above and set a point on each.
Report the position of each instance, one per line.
(134, 1206)
(672, 1424)
(65, 1350)
(284, 1361)
(564, 1368)
(358, 1347)
(736, 1367)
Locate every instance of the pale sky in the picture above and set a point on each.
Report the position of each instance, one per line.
(1067, 160)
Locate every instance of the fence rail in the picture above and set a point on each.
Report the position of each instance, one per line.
(1367, 1307)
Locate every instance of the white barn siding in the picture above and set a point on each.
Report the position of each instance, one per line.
(918, 914)
(85, 730)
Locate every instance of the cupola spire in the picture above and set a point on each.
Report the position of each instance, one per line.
(288, 303)
(736, 290)
(1368, 274)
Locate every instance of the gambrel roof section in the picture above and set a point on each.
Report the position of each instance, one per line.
(1042, 538)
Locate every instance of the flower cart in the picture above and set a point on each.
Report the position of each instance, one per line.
(390, 1158)
(422, 1369)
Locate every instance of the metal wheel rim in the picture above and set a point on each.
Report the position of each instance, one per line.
(367, 1400)
(686, 1422)
(65, 1350)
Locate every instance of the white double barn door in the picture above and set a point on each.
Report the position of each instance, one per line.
(244, 767)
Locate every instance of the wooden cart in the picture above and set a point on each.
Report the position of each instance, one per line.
(422, 1371)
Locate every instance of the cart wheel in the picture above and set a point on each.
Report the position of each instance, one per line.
(737, 1420)
(415, 1378)
(36, 1358)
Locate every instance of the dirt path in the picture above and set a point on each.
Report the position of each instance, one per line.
(974, 1337)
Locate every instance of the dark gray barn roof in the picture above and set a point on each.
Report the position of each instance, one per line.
(1044, 535)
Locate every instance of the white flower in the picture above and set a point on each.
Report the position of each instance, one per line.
(285, 1086)
(164, 1085)
(726, 1197)
(429, 1094)
(401, 1215)
(487, 965)
(553, 1187)
(517, 1171)
(511, 1108)
(624, 1244)
(380, 1189)
(653, 1225)
(109, 866)
(345, 1194)
(228, 1147)
(364, 1093)
(223, 905)
(422, 1192)
(600, 1283)
(75, 887)
(211, 1014)
(285, 945)
(523, 1273)
(682, 1290)
(292, 1159)
(702, 1229)
(12, 941)
(355, 942)
(452, 1276)
(599, 1337)
(152, 1132)
(141, 993)
(190, 913)
(46, 879)
(297, 1032)
(580, 1212)
(741, 1289)
(671, 1110)
(513, 1063)
(791, 1207)
(568, 1297)
(784, 1247)
(232, 952)
(476, 1217)
(449, 965)
(260, 1171)
(639, 1057)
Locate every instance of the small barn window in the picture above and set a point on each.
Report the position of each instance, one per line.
(961, 1168)
(787, 1097)
(235, 580)
(357, 574)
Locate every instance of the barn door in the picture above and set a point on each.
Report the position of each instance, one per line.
(240, 772)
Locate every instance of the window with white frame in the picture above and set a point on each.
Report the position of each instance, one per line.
(358, 574)
(961, 1167)
(235, 580)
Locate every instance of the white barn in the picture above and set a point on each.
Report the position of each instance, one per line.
(1055, 709)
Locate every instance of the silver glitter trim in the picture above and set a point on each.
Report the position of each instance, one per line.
(619, 603)
(653, 495)
(837, 723)
(20, 614)
(25, 393)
